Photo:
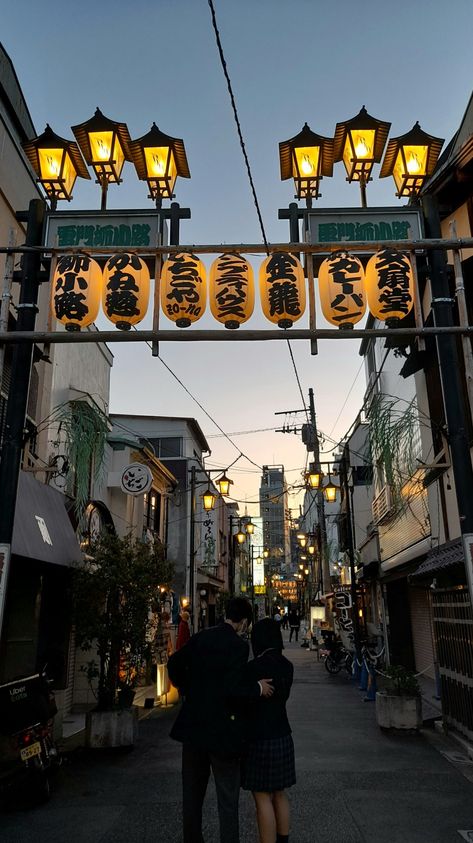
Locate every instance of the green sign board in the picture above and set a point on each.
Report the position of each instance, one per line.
(105, 231)
(345, 225)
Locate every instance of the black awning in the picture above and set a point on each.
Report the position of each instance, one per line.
(443, 556)
(42, 527)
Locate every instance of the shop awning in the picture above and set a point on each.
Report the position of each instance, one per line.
(42, 527)
(443, 556)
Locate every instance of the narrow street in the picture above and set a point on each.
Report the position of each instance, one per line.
(355, 784)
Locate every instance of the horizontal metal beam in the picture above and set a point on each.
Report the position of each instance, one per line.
(184, 335)
(254, 248)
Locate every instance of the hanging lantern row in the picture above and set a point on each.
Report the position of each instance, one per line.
(79, 285)
(387, 287)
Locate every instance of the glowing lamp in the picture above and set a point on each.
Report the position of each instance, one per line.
(303, 541)
(57, 163)
(105, 145)
(224, 484)
(359, 143)
(411, 159)
(240, 537)
(159, 159)
(265, 553)
(330, 492)
(313, 477)
(250, 527)
(208, 499)
(307, 158)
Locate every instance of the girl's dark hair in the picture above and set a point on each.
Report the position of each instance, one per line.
(237, 609)
(265, 635)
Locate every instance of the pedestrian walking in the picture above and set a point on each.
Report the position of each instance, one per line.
(269, 767)
(211, 673)
(294, 624)
(183, 631)
(284, 622)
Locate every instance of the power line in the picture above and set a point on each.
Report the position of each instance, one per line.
(237, 119)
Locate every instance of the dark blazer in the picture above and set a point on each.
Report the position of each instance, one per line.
(267, 717)
(210, 671)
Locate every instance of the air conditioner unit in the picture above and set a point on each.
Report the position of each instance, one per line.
(382, 505)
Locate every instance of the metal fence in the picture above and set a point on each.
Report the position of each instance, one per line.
(453, 627)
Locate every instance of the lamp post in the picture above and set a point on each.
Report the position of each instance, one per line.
(209, 498)
(57, 163)
(105, 145)
(359, 143)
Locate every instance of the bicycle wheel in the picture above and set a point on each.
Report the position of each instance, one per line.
(332, 665)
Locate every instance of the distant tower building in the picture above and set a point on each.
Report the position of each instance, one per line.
(275, 516)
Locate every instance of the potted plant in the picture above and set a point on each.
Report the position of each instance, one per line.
(113, 593)
(399, 704)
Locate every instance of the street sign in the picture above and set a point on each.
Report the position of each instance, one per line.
(345, 225)
(136, 479)
(85, 229)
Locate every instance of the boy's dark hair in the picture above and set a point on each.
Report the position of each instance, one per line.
(237, 609)
(266, 635)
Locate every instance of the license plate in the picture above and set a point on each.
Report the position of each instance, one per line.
(30, 751)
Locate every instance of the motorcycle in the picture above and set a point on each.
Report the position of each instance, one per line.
(27, 709)
(337, 657)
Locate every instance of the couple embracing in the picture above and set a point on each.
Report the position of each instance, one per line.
(233, 721)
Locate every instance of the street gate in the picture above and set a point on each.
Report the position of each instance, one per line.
(453, 627)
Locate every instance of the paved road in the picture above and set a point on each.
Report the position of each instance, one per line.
(355, 784)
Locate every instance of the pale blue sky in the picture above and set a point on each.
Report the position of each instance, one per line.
(290, 62)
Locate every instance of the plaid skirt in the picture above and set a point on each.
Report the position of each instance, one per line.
(269, 765)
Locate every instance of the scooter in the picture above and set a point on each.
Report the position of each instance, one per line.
(27, 709)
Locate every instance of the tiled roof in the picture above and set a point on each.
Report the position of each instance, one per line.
(443, 556)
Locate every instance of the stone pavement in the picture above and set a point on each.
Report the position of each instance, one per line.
(355, 783)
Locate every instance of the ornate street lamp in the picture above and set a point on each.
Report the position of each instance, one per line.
(360, 142)
(265, 553)
(159, 159)
(303, 541)
(105, 145)
(57, 163)
(314, 476)
(330, 491)
(224, 484)
(411, 159)
(250, 527)
(208, 499)
(307, 158)
(240, 536)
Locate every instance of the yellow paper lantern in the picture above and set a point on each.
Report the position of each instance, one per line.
(341, 286)
(282, 289)
(125, 290)
(231, 290)
(389, 284)
(183, 289)
(76, 291)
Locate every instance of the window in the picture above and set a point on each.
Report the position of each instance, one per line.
(152, 511)
(167, 447)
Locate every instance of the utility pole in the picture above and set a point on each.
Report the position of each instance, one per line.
(325, 562)
(192, 597)
(13, 441)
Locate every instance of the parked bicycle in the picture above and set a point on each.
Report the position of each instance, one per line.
(337, 658)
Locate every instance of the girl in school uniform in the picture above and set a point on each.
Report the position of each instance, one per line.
(269, 767)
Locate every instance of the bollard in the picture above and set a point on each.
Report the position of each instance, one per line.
(363, 686)
(371, 690)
